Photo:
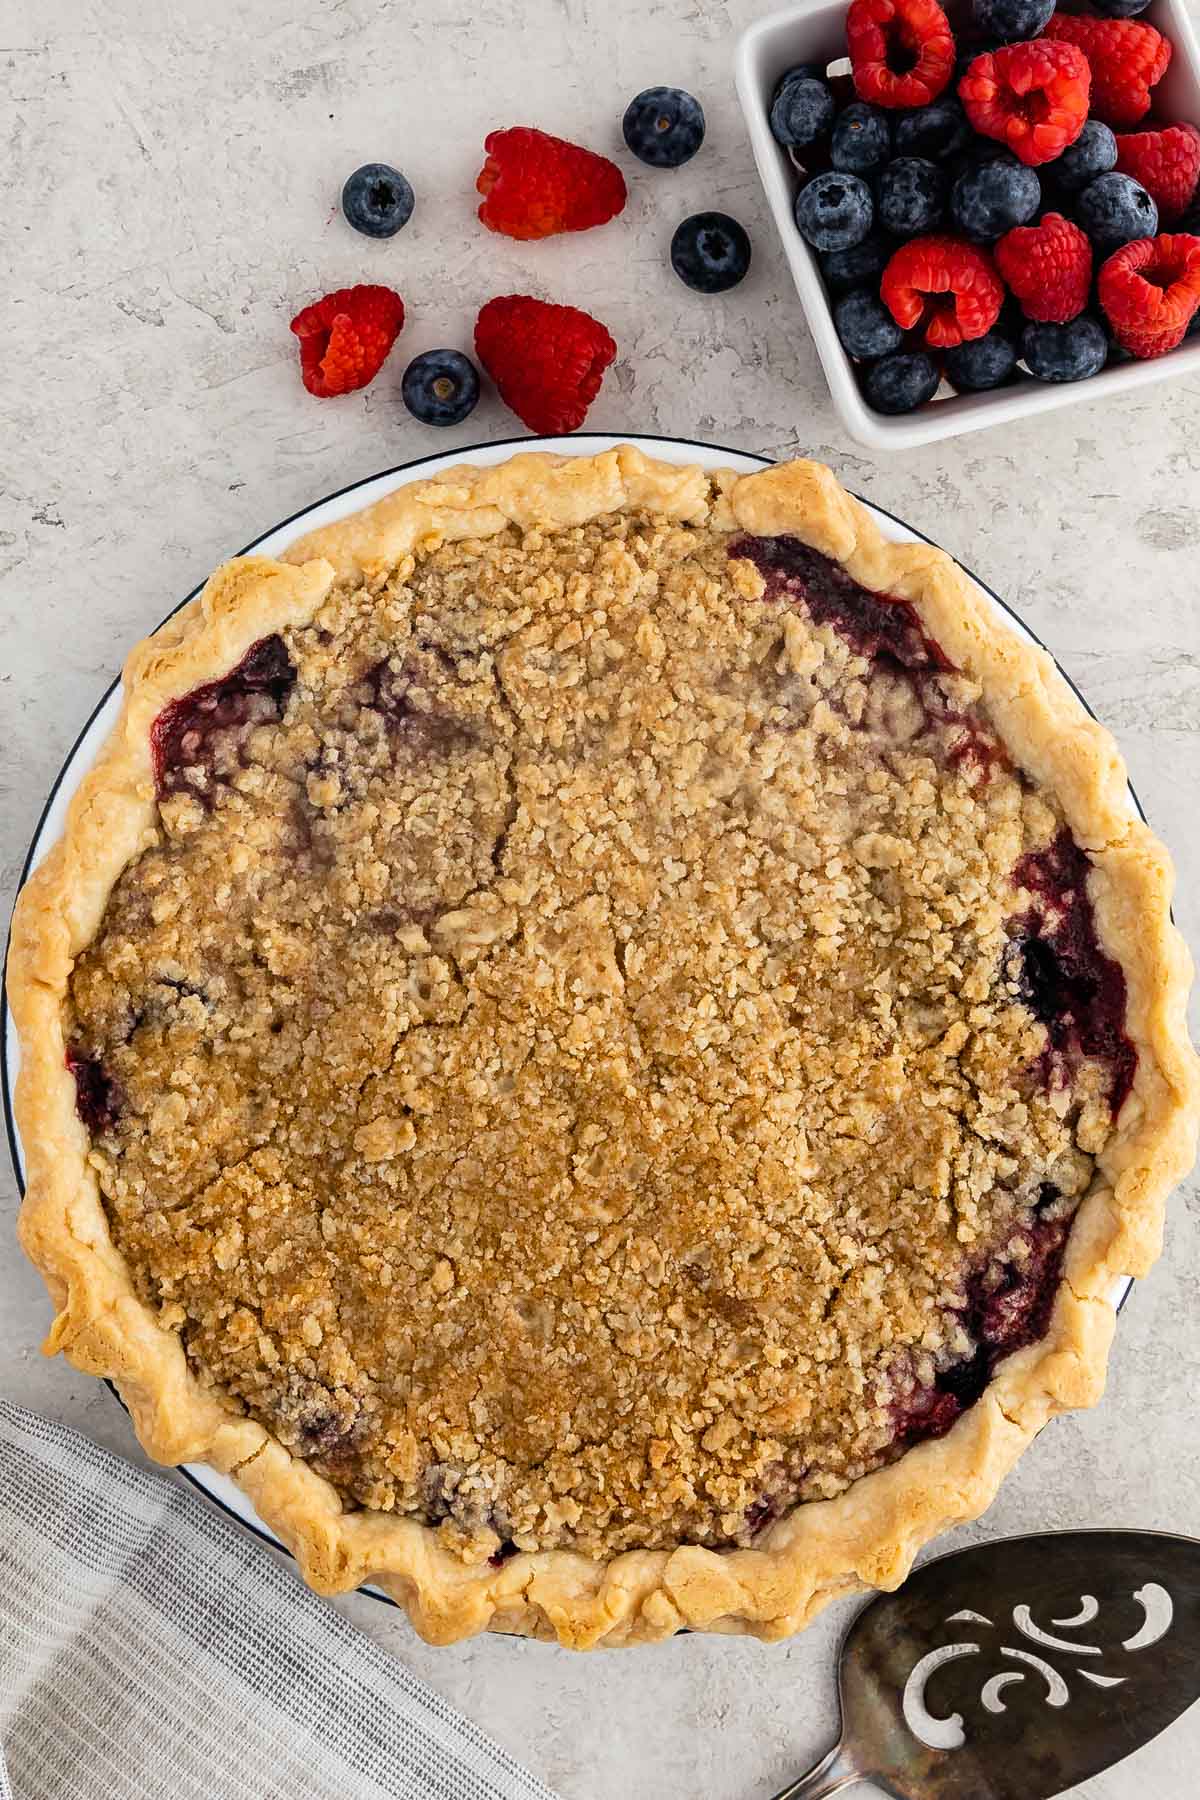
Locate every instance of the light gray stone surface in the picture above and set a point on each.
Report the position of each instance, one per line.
(169, 186)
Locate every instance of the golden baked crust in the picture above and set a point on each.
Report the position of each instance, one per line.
(368, 610)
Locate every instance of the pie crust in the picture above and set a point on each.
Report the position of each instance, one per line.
(864, 1536)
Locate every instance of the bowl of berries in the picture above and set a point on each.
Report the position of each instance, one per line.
(990, 209)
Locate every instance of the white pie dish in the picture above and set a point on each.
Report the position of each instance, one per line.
(815, 32)
(352, 499)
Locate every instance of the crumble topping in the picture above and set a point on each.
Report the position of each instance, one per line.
(569, 1065)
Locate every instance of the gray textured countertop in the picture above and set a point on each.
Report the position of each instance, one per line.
(170, 184)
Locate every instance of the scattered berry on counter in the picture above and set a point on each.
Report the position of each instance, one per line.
(547, 361)
(1069, 352)
(938, 131)
(948, 288)
(1093, 153)
(861, 263)
(980, 363)
(664, 126)
(911, 197)
(1166, 162)
(834, 211)
(345, 338)
(989, 198)
(1114, 209)
(440, 387)
(1008, 21)
(1126, 56)
(1032, 97)
(535, 185)
(897, 384)
(377, 200)
(865, 326)
(1048, 268)
(862, 139)
(1150, 292)
(710, 252)
(802, 110)
(901, 51)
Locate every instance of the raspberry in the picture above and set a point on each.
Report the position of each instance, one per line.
(547, 361)
(1048, 267)
(1166, 162)
(1127, 58)
(901, 51)
(535, 185)
(947, 285)
(1150, 290)
(1032, 97)
(345, 338)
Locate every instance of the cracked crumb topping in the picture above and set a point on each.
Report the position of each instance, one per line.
(569, 1064)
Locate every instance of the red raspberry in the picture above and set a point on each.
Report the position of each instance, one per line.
(1048, 266)
(1166, 162)
(945, 284)
(1127, 58)
(547, 361)
(1032, 97)
(1150, 290)
(345, 338)
(884, 37)
(535, 185)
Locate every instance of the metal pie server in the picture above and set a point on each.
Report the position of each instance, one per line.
(1014, 1670)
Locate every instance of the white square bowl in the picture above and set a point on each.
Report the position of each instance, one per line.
(816, 32)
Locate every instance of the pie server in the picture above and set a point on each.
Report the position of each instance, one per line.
(1016, 1669)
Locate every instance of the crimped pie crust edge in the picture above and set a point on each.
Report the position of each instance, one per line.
(866, 1536)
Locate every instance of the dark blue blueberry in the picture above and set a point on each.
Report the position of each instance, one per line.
(835, 211)
(982, 363)
(1093, 153)
(912, 196)
(1120, 9)
(710, 252)
(377, 200)
(861, 263)
(989, 198)
(801, 112)
(1114, 209)
(1012, 20)
(865, 325)
(1064, 352)
(862, 139)
(938, 131)
(664, 127)
(1190, 222)
(895, 384)
(440, 387)
(1193, 324)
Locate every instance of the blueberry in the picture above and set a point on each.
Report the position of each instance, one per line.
(664, 127)
(1190, 222)
(1093, 153)
(1193, 324)
(939, 130)
(1114, 209)
(861, 263)
(895, 384)
(912, 196)
(1120, 9)
(835, 211)
(440, 387)
(983, 362)
(801, 111)
(989, 198)
(1064, 352)
(865, 325)
(1012, 20)
(710, 252)
(377, 200)
(862, 139)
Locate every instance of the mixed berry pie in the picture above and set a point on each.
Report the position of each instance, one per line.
(598, 1037)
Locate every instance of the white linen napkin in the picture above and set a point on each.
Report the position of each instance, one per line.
(151, 1651)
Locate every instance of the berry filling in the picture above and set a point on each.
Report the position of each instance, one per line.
(185, 737)
(97, 1096)
(409, 720)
